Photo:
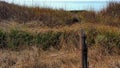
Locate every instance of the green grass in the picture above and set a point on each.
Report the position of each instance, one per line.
(16, 39)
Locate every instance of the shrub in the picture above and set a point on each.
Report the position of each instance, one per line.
(23, 14)
(89, 16)
(112, 9)
(48, 39)
(19, 38)
(3, 39)
(111, 14)
(110, 41)
(91, 35)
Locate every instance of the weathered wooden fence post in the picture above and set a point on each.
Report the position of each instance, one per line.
(84, 50)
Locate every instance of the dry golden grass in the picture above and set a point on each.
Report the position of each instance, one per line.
(68, 57)
(23, 14)
(38, 20)
(34, 27)
(34, 58)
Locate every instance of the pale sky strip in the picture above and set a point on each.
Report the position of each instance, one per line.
(65, 4)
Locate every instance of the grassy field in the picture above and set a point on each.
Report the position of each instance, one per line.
(33, 37)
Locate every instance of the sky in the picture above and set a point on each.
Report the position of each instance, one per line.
(96, 5)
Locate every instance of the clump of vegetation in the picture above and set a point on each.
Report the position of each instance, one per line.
(111, 14)
(108, 40)
(23, 14)
(112, 9)
(89, 16)
(3, 39)
(48, 39)
(107, 16)
(18, 38)
(55, 18)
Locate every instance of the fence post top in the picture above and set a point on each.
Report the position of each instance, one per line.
(83, 35)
